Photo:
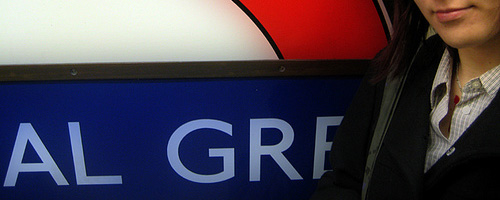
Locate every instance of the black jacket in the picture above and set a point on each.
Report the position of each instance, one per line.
(471, 172)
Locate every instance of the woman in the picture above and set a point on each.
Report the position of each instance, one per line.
(443, 141)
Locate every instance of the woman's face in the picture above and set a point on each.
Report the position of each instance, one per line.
(464, 23)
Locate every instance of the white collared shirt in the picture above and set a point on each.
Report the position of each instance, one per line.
(477, 94)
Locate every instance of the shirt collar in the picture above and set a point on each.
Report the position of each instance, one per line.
(491, 80)
(441, 79)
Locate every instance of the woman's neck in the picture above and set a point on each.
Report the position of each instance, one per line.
(475, 61)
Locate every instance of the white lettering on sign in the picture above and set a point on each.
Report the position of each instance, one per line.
(275, 151)
(79, 161)
(321, 145)
(257, 150)
(226, 154)
(27, 133)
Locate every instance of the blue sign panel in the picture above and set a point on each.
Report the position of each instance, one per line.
(168, 139)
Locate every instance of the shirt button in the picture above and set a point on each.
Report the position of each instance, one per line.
(466, 110)
(476, 84)
(450, 151)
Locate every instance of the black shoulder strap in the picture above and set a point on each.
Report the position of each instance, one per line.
(390, 98)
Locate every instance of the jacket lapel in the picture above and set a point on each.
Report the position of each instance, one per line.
(404, 147)
(481, 139)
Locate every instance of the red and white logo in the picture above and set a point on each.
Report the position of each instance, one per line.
(96, 31)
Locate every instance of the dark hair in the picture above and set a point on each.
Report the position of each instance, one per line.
(410, 29)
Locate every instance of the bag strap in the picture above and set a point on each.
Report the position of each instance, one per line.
(392, 92)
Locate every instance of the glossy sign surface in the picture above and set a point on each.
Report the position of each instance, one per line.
(102, 31)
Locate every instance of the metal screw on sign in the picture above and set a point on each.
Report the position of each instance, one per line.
(73, 72)
(282, 69)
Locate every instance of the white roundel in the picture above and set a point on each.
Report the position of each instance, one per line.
(96, 31)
